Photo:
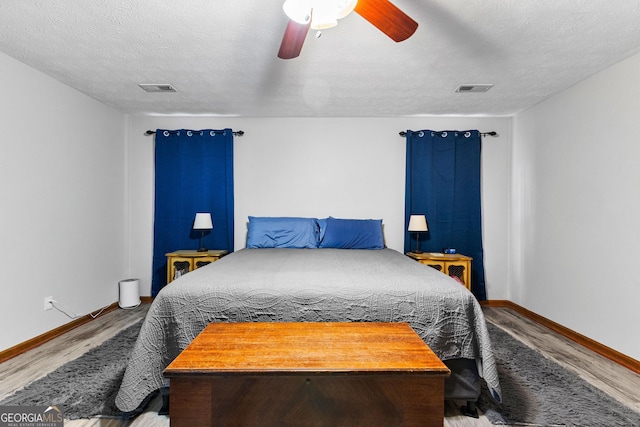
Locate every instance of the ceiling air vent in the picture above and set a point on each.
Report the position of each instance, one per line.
(473, 88)
(157, 87)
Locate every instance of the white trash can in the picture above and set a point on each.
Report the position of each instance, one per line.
(129, 293)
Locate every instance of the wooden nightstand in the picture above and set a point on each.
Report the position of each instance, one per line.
(182, 262)
(450, 264)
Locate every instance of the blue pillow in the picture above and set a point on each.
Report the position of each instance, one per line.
(353, 234)
(282, 232)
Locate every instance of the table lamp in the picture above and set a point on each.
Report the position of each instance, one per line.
(202, 222)
(418, 224)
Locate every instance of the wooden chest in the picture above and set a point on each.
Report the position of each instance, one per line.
(307, 374)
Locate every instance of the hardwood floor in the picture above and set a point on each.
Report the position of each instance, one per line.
(36, 363)
(613, 379)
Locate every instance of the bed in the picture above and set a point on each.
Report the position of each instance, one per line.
(298, 283)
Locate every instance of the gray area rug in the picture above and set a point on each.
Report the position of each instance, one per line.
(536, 391)
(539, 392)
(87, 386)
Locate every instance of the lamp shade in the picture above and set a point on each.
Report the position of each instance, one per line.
(203, 221)
(418, 223)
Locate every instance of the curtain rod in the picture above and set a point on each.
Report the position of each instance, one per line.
(235, 133)
(492, 133)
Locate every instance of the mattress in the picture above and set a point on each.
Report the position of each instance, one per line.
(308, 285)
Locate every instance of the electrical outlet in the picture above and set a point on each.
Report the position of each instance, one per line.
(48, 303)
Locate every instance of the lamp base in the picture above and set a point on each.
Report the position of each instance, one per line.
(202, 248)
(417, 251)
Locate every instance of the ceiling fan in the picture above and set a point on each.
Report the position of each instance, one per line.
(322, 14)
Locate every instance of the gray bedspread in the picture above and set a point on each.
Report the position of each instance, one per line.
(298, 285)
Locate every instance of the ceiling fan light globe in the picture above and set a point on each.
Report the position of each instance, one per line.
(298, 10)
(323, 15)
(345, 7)
(323, 25)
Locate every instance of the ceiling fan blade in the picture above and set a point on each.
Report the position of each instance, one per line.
(387, 18)
(293, 39)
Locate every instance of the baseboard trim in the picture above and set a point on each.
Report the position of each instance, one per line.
(611, 354)
(23, 347)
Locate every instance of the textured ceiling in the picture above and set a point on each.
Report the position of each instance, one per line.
(221, 55)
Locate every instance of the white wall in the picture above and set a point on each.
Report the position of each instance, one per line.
(576, 210)
(560, 212)
(62, 218)
(344, 167)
